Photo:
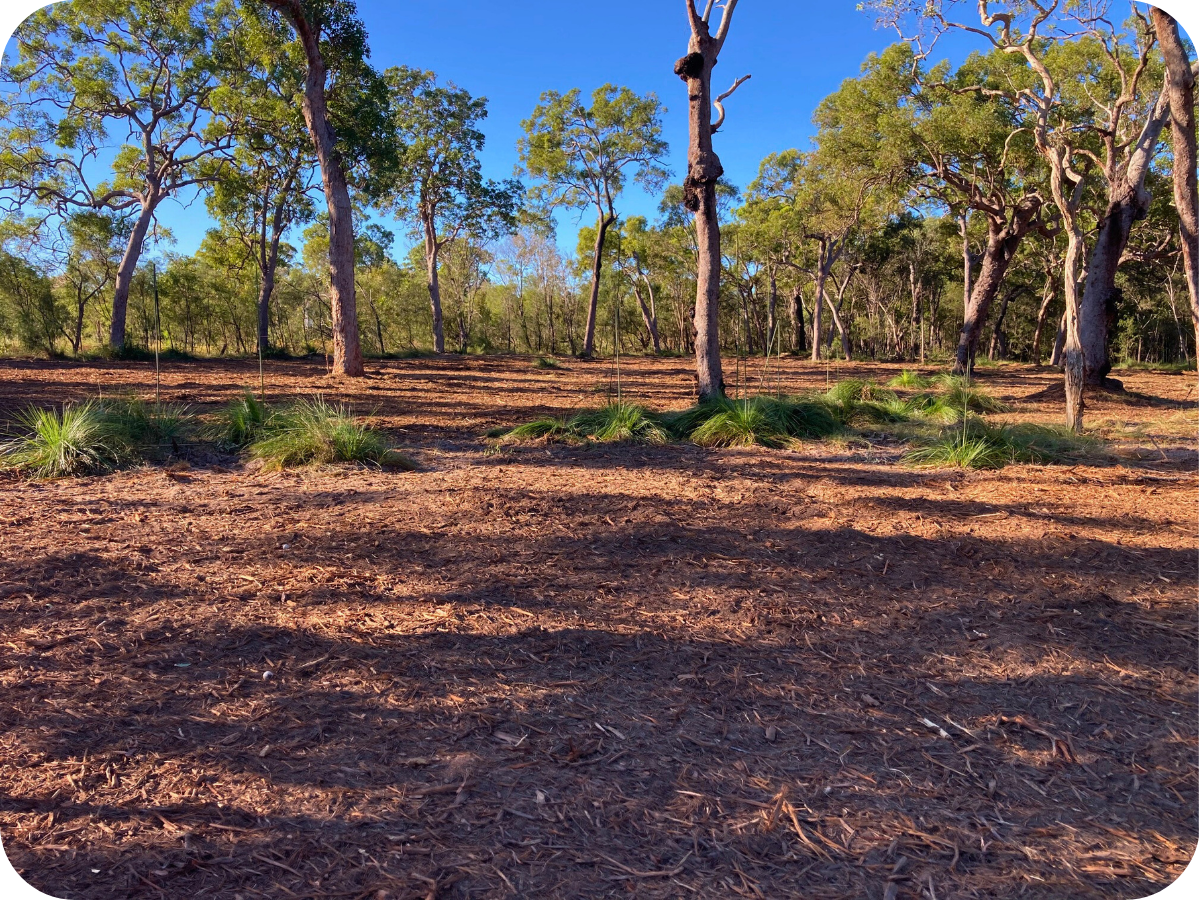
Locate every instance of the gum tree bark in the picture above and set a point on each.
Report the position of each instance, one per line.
(1128, 203)
(347, 352)
(700, 187)
(1181, 91)
(1005, 234)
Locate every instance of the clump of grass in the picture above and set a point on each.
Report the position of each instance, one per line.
(910, 380)
(546, 427)
(974, 444)
(77, 440)
(620, 423)
(761, 421)
(240, 423)
(861, 403)
(314, 431)
(546, 362)
(612, 423)
(148, 429)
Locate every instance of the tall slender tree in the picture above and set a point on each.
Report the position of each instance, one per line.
(335, 44)
(700, 184)
(583, 155)
(438, 183)
(1181, 93)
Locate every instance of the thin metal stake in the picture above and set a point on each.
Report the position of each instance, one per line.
(157, 336)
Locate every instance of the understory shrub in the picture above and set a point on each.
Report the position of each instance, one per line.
(75, 440)
(612, 423)
(240, 423)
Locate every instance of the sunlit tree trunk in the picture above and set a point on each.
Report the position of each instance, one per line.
(1181, 91)
(1128, 203)
(700, 191)
(347, 352)
(125, 273)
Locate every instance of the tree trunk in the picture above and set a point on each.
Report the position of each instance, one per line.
(589, 335)
(125, 272)
(801, 340)
(1128, 202)
(1073, 360)
(1004, 237)
(819, 301)
(998, 343)
(916, 331)
(1043, 311)
(1181, 91)
(649, 317)
(347, 352)
(435, 291)
(1060, 337)
(700, 197)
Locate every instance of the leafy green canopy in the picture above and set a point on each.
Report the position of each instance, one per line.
(584, 155)
(437, 178)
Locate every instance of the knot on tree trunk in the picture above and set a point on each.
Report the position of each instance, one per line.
(705, 170)
(690, 66)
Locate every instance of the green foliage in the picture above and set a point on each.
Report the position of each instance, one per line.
(93, 437)
(546, 362)
(240, 423)
(581, 155)
(613, 423)
(76, 440)
(911, 380)
(314, 431)
(148, 429)
(763, 421)
(974, 444)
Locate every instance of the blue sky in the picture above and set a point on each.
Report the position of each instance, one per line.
(797, 51)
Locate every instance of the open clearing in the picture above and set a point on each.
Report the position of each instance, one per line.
(556, 671)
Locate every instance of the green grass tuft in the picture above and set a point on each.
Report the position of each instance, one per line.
(148, 429)
(761, 421)
(313, 431)
(975, 444)
(620, 423)
(546, 362)
(78, 440)
(240, 423)
(543, 428)
(910, 380)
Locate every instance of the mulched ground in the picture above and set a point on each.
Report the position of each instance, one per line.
(551, 671)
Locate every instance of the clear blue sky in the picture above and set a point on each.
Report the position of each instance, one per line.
(797, 51)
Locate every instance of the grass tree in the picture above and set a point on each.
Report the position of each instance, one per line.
(437, 182)
(700, 184)
(137, 76)
(582, 156)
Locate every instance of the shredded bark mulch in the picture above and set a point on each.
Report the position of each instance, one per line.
(554, 671)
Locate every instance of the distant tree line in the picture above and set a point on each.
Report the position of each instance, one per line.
(1035, 202)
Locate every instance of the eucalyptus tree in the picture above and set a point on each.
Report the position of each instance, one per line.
(828, 203)
(583, 155)
(968, 150)
(437, 182)
(95, 243)
(1081, 90)
(700, 184)
(266, 184)
(346, 120)
(132, 76)
(1181, 93)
